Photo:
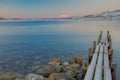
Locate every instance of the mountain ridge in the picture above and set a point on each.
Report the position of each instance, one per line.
(104, 15)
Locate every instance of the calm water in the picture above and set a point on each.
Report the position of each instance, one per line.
(26, 46)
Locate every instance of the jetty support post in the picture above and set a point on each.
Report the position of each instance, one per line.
(94, 46)
(100, 36)
(108, 35)
(84, 68)
(110, 55)
(90, 53)
(110, 45)
(109, 40)
(113, 70)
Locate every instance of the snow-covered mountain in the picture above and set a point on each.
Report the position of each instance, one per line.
(2, 18)
(106, 15)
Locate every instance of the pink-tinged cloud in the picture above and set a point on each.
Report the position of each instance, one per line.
(64, 16)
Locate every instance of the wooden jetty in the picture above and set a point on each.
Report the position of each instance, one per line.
(100, 62)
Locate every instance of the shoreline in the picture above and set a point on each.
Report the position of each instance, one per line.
(65, 69)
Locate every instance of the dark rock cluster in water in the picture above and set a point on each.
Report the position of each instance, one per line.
(55, 70)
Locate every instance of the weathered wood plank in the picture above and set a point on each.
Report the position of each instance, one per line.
(91, 68)
(90, 71)
(101, 49)
(107, 70)
(107, 73)
(98, 72)
(97, 49)
(106, 61)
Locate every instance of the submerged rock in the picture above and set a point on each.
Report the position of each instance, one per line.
(66, 64)
(9, 76)
(59, 68)
(72, 70)
(19, 79)
(32, 76)
(79, 77)
(46, 71)
(75, 66)
(59, 76)
(56, 61)
(77, 59)
(70, 73)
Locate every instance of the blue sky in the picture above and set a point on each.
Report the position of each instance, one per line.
(54, 8)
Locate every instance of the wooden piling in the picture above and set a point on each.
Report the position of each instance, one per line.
(108, 34)
(109, 37)
(94, 46)
(101, 32)
(84, 68)
(90, 55)
(110, 43)
(110, 55)
(99, 37)
(113, 69)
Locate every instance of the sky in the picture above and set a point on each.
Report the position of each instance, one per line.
(54, 8)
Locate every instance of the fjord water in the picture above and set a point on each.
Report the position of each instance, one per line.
(27, 45)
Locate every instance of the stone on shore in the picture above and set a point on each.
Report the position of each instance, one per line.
(79, 77)
(70, 73)
(19, 79)
(66, 64)
(77, 59)
(46, 71)
(9, 76)
(59, 68)
(59, 76)
(72, 70)
(32, 76)
(75, 66)
(56, 61)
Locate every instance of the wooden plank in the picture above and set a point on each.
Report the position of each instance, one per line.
(106, 50)
(97, 49)
(107, 70)
(90, 71)
(106, 42)
(91, 68)
(98, 72)
(107, 73)
(106, 61)
(101, 49)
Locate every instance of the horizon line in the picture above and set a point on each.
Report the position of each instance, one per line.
(57, 17)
